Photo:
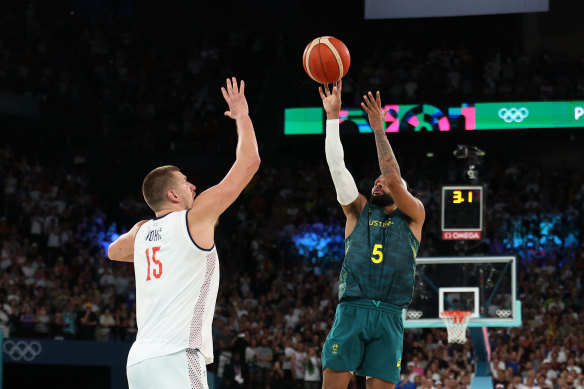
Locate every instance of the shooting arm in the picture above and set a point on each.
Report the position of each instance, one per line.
(343, 180)
(388, 165)
(387, 162)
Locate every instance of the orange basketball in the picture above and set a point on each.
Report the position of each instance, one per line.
(326, 59)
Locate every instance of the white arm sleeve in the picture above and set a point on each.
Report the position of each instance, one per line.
(344, 183)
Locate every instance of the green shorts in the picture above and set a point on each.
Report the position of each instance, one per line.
(367, 338)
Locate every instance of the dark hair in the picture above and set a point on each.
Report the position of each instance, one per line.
(156, 184)
(414, 193)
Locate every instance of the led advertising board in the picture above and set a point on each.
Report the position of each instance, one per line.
(429, 118)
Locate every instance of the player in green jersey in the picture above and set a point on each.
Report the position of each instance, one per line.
(382, 237)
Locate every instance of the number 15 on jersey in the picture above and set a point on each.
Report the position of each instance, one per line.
(157, 270)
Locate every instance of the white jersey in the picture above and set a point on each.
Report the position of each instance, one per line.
(176, 290)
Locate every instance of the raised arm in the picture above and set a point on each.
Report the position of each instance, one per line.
(388, 165)
(348, 196)
(209, 205)
(122, 249)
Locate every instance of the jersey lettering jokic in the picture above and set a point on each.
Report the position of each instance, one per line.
(176, 290)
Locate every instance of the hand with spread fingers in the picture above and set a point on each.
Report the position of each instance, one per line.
(374, 110)
(235, 98)
(331, 101)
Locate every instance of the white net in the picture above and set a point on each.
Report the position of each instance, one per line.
(456, 323)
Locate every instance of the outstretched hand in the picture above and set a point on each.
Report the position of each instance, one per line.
(235, 98)
(374, 111)
(331, 101)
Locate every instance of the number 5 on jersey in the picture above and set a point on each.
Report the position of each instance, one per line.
(155, 272)
(377, 254)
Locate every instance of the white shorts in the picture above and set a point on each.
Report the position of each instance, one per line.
(185, 369)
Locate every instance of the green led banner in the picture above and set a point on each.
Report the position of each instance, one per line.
(303, 121)
(429, 118)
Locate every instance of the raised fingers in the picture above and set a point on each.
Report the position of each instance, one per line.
(336, 89)
(368, 98)
(225, 94)
(365, 108)
(229, 87)
(235, 87)
(322, 96)
(378, 99)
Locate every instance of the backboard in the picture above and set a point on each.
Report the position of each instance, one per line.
(486, 286)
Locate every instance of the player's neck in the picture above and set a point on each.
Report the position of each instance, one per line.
(165, 211)
(390, 208)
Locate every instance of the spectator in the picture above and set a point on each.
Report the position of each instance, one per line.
(277, 377)
(236, 374)
(87, 322)
(57, 327)
(42, 321)
(287, 359)
(5, 320)
(412, 372)
(131, 327)
(312, 369)
(571, 366)
(529, 383)
(296, 363)
(69, 319)
(107, 323)
(264, 357)
(405, 383)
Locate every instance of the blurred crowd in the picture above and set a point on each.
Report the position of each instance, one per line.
(281, 242)
(131, 80)
(277, 298)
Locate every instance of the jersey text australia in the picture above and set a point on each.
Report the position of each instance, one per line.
(380, 258)
(176, 290)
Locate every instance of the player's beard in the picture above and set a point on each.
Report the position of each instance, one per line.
(384, 200)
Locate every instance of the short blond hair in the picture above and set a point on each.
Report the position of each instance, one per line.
(156, 184)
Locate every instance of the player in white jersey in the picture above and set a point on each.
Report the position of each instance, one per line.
(176, 264)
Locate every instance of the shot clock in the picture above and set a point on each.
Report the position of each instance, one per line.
(462, 212)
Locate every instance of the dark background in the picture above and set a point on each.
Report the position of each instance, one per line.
(94, 124)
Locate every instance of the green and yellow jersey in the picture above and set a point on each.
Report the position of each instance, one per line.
(380, 258)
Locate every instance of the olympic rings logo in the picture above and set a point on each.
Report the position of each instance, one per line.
(22, 350)
(513, 114)
(414, 315)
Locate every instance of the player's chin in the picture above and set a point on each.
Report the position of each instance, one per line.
(382, 200)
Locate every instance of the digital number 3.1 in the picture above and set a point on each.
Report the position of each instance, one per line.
(457, 197)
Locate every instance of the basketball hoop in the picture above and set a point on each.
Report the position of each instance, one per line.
(456, 323)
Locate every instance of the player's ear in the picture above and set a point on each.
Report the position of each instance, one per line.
(171, 196)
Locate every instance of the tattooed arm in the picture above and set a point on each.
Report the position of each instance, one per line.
(387, 162)
(390, 171)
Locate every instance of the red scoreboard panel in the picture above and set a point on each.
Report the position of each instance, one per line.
(462, 212)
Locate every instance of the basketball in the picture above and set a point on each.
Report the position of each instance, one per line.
(326, 59)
